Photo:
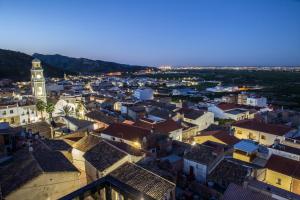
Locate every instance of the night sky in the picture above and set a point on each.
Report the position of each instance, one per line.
(156, 32)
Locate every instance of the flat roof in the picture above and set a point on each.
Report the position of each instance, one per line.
(236, 111)
(246, 146)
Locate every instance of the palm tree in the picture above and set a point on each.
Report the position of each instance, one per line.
(66, 111)
(50, 109)
(40, 106)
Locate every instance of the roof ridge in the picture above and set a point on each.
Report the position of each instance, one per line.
(115, 147)
(152, 173)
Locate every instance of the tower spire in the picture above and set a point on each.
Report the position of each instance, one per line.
(38, 81)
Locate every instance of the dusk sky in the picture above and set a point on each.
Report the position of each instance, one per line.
(156, 32)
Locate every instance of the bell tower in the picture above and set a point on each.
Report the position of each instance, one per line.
(38, 81)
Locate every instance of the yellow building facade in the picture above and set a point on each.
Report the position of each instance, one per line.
(283, 173)
(260, 137)
(279, 180)
(202, 139)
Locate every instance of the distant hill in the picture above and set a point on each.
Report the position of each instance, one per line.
(85, 65)
(16, 65)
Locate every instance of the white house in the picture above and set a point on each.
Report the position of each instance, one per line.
(230, 111)
(143, 94)
(203, 119)
(17, 115)
(257, 101)
(200, 160)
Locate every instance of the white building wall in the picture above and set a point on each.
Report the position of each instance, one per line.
(200, 171)
(218, 113)
(176, 135)
(78, 159)
(143, 94)
(259, 102)
(202, 122)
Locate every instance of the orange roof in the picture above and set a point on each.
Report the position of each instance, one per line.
(222, 135)
(127, 132)
(230, 106)
(284, 165)
(253, 124)
(161, 127)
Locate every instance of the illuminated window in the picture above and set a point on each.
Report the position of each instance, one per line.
(40, 91)
(278, 182)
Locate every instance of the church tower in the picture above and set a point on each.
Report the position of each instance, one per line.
(38, 81)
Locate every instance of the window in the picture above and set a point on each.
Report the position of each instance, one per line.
(239, 132)
(4, 112)
(263, 137)
(278, 182)
(11, 111)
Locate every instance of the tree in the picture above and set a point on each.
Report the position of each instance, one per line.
(66, 111)
(50, 109)
(40, 106)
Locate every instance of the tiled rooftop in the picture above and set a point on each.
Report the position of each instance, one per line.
(143, 180)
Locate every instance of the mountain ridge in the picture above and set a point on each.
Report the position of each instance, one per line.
(16, 65)
(85, 65)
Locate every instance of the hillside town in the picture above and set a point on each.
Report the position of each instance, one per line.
(117, 137)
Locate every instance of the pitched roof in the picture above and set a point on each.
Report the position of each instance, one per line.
(229, 171)
(103, 155)
(143, 180)
(73, 137)
(222, 135)
(102, 117)
(126, 148)
(53, 161)
(284, 165)
(80, 123)
(201, 154)
(127, 132)
(43, 128)
(252, 124)
(191, 113)
(87, 142)
(26, 166)
(166, 126)
(236, 192)
(229, 106)
(57, 145)
(161, 113)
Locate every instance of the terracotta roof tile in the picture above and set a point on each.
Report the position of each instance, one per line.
(275, 129)
(125, 131)
(222, 135)
(284, 165)
(166, 126)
